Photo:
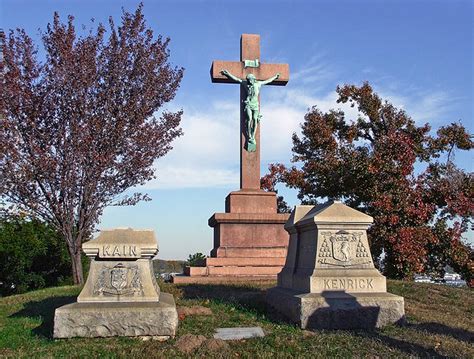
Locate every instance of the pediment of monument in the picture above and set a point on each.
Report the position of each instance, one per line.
(122, 243)
(333, 212)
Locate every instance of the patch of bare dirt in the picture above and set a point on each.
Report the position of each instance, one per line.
(183, 312)
(308, 333)
(216, 345)
(189, 342)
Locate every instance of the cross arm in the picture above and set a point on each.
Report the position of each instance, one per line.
(263, 72)
(234, 67)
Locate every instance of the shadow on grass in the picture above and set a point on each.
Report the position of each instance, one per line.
(437, 328)
(247, 297)
(45, 310)
(402, 345)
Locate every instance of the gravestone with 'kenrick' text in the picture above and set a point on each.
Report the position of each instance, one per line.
(329, 280)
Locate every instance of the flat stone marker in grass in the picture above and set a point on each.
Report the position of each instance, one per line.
(238, 333)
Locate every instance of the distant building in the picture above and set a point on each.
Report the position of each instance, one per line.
(451, 279)
(452, 276)
(422, 278)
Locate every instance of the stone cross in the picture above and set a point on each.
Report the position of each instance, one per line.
(249, 64)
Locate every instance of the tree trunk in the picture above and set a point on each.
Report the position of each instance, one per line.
(77, 272)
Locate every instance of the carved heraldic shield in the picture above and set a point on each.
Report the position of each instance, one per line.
(343, 249)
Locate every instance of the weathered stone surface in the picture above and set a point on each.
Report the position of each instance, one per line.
(234, 270)
(121, 269)
(189, 342)
(329, 279)
(249, 245)
(248, 230)
(245, 201)
(338, 310)
(122, 243)
(121, 296)
(238, 333)
(138, 282)
(117, 319)
(250, 252)
(236, 261)
(184, 279)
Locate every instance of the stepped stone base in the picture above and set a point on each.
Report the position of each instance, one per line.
(184, 279)
(250, 242)
(337, 309)
(249, 252)
(233, 270)
(251, 201)
(243, 261)
(117, 319)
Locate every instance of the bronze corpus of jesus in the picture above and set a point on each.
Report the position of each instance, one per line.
(252, 105)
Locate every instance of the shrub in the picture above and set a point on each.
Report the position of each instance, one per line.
(32, 256)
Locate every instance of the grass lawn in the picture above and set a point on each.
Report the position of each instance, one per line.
(440, 324)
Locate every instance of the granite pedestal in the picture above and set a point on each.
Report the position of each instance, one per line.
(329, 280)
(121, 296)
(250, 242)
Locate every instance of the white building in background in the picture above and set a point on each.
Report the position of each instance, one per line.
(421, 278)
(451, 276)
(451, 279)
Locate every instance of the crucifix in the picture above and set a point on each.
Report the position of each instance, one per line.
(251, 74)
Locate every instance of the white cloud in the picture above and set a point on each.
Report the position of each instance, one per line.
(429, 107)
(208, 153)
(283, 115)
(314, 72)
(176, 176)
(422, 106)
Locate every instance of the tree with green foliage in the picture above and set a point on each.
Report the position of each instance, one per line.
(33, 255)
(196, 260)
(369, 163)
(81, 126)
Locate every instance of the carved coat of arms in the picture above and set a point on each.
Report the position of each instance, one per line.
(118, 280)
(343, 249)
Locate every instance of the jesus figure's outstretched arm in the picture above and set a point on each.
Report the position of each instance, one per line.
(229, 75)
(271, 79)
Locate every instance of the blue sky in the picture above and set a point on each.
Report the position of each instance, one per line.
(417, 54)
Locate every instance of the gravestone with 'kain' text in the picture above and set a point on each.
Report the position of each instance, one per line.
(121, 296)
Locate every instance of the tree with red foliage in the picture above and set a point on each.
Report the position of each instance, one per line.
(78, 129)
(269, 182)
(370, 162)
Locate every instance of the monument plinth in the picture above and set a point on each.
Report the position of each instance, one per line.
(121, 296)
(249, 239)
(329, 280)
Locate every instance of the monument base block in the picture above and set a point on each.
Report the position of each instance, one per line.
(337, 309)
(117, 319)
(220, 279)
(250, 242)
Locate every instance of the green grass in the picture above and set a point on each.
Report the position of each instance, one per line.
(440, 324)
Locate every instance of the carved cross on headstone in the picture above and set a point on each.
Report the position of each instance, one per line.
(249, 64)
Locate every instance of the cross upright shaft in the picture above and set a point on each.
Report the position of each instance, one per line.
(249, 55)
